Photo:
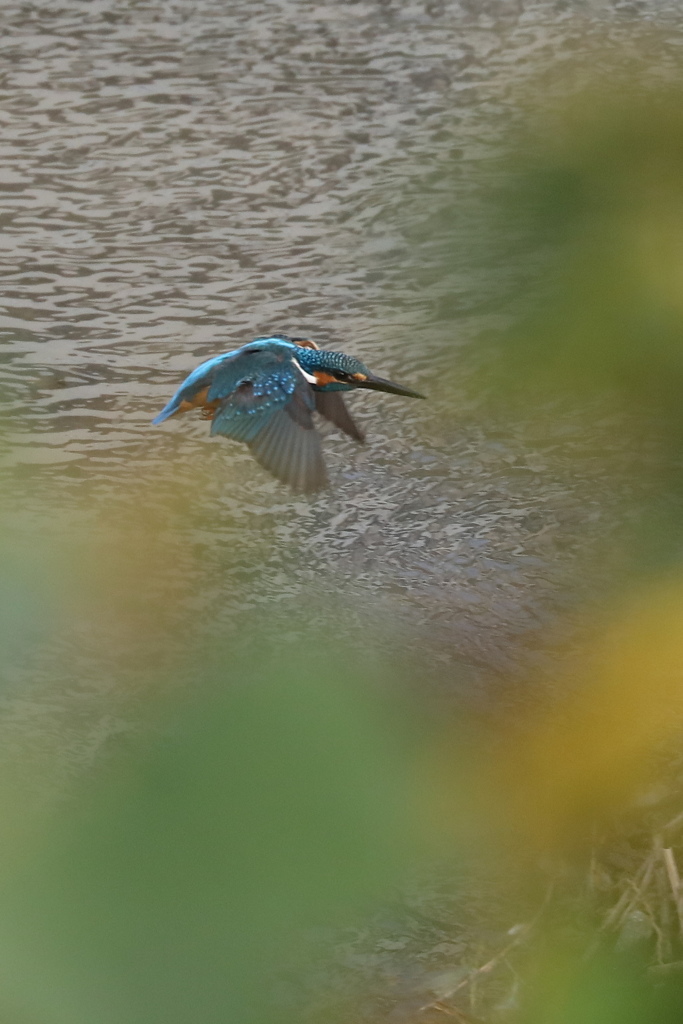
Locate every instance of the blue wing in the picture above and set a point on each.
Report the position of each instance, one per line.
(263, 399)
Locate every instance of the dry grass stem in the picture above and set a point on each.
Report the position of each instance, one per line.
(674, 882)
(632, 895)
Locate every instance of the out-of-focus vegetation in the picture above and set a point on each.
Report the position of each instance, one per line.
(588, 201)
(597, 195)
(258, 794)
(286, 782)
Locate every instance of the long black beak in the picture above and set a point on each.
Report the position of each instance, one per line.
(379, 384)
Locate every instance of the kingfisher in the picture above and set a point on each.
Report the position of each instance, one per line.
(265, 394)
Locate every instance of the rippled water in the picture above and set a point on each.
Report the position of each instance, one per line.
(176, 178)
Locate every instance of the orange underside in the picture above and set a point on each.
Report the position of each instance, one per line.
(208, 408)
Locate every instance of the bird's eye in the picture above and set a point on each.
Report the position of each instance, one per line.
(341, 375)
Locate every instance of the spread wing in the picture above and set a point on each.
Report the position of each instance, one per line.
(332, 406)
(265, 401)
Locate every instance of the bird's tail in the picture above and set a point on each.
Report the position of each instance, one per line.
(193, 397)
(169, 410)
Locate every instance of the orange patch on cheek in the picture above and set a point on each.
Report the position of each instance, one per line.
(324, 378)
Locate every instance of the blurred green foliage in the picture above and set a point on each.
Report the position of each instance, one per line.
(579, 262)
(594, 192)
(177, 880)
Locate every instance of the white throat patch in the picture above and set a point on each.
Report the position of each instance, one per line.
(307, 376)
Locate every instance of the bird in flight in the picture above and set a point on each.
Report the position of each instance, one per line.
(265, 394)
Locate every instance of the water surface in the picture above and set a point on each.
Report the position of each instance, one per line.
(177, 178)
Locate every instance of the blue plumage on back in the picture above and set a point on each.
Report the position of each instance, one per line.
(264, 394)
